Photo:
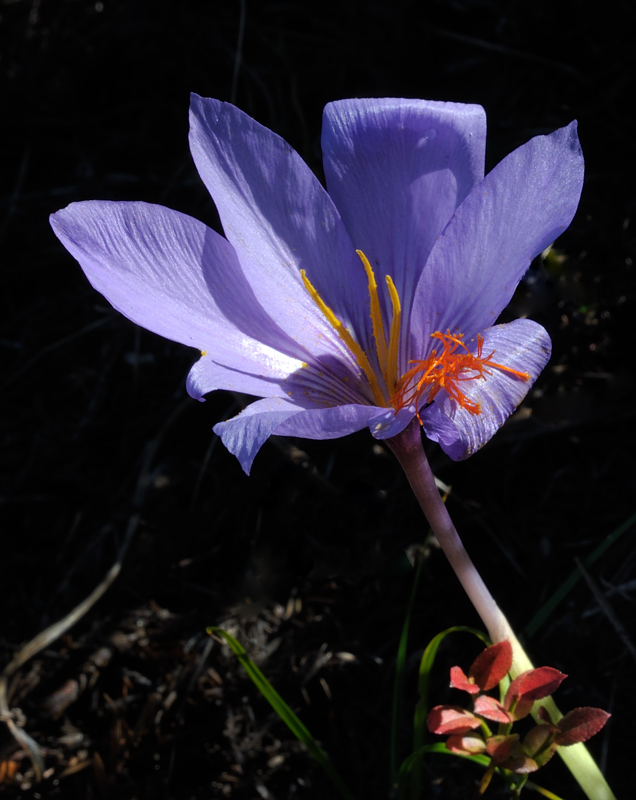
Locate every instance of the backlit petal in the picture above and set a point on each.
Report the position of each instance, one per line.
(176, 277)
(515, 213)
(521, 345)
(280, 220)
(397, 170)
(245, 434)
(329, 423)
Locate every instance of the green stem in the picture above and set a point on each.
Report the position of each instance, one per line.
(408, 449)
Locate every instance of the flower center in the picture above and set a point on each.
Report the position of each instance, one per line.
(445, 368)
(385, 384)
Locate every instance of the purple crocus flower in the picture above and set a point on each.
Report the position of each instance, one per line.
(366, 305)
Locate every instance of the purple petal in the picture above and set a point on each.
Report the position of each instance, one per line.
(280, 220)
(515, 213)
(160, 269)
(397, 170)
(245, 434)
(259, 371)
(330, 423)
(391, 422)
(522, 345)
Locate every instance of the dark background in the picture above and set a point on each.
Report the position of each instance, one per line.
(304, 560)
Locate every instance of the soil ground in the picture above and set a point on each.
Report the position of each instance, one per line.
(306, 560)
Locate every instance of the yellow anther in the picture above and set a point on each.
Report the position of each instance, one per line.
(394, 341)
(355, 349)
(376, 316)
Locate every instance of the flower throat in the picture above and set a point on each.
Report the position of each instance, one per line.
(448, 364)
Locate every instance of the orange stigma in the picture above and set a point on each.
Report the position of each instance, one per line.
(445, 368)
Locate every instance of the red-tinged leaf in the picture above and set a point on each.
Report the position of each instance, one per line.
(538, 738)
(518, 707)
(580, 725)
(459, 680)
(491, 666)
(491, 709)
(539, 744)
(484, 783)
(451, 720)
(466, 743)
(502, 747)
(522, 765)
(533, 685)
(545, 755)
(544, 715)
(507, 752)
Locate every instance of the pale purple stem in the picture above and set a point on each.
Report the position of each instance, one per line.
(409, 451)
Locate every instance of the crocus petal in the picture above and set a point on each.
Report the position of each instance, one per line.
(283, 309)
(397, 170)
(280, 220)
(245, 434)
(389, 423)
(329, 423)
(515, 213)
(522, 345)
(271, 380)
(161, 268)
(332, 423)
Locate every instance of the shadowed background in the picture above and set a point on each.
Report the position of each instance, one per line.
(304, 560)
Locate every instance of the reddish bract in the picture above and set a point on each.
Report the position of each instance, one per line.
(491, 709)
(505, 749)
(491, 666)
(451, 719)
(530, 686)
(459, 680)
(580, 725)
(466, 743)
(507, 752)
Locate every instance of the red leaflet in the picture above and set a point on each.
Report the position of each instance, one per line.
(530, 686)
(537, 738)
(451, 719)
(491, 666)
(459, 680)
(491, 709)
(506, 750)
(580, 725)
(466, 743)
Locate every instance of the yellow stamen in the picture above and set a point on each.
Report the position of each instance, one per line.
(445, 368)
(376, 316)
(357, 352)
(392, 374)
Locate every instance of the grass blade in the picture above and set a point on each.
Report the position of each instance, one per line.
(283, 711)
(566, 587)
(421, 709)
(400, 662)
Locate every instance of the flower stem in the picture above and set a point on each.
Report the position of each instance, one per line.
(408, 449)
